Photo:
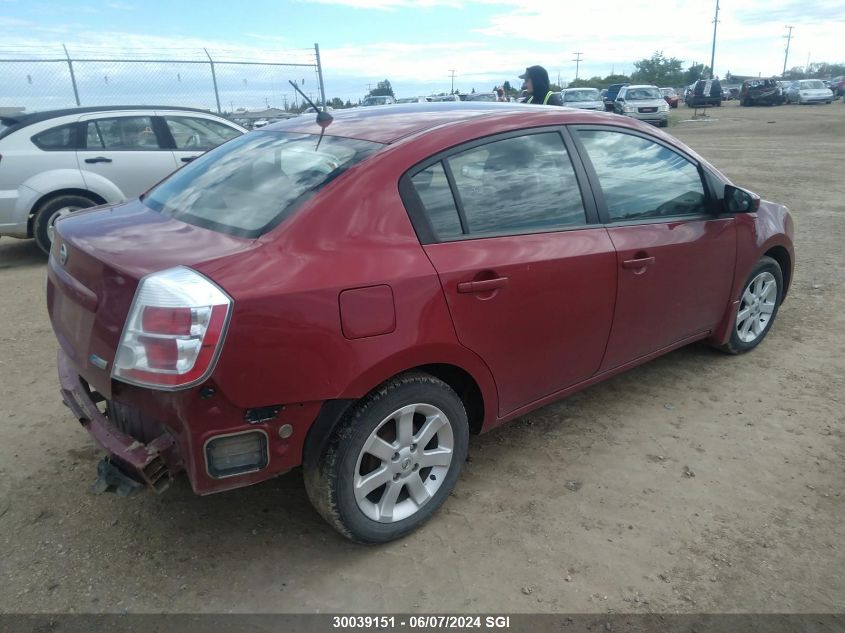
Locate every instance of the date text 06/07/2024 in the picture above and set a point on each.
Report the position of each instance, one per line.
(390, 622)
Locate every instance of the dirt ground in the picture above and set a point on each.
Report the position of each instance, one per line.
(699, 482)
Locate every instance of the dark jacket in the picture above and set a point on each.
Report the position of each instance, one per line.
(542, 94)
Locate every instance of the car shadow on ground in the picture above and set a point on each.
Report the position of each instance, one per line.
(15, 253)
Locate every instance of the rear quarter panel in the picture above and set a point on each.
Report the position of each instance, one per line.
(286, 325)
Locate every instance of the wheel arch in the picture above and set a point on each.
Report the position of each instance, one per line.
(69, 191)
(459, 379)
(782, 257)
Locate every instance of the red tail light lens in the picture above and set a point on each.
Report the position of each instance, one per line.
(167, 320)
(174, 331)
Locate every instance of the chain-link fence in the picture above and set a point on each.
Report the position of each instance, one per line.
(222, 81)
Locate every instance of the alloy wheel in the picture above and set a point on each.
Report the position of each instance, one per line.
(756, 307)
(403, 463)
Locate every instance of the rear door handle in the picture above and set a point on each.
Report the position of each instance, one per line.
(633, 264)
(98, 159)
(487, 285)
(187, 159)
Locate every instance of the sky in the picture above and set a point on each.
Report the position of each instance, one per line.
(413, 43)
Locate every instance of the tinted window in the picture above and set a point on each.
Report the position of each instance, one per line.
(518, 185)
(62, 137)
(192, 133)
(642, 179)
(436, 196)
(122, 133)
(247, 186)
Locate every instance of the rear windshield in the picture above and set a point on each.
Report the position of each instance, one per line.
(247, 186)
(813, 83)
(581, 95)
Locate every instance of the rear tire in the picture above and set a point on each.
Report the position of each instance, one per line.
(51, 210)
(758, 307)
(392, 461)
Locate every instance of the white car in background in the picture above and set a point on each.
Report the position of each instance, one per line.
(57, 162)
(582, 98)
(378, 100)
(808, 91)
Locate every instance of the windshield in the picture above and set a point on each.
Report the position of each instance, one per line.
(667, 92)
(247, 186)
(643, 93)
(582, 95)
(373, 101)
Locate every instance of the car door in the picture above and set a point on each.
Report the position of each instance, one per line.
(675, 253)
(127, 149)
(528, 280)
(193, 135)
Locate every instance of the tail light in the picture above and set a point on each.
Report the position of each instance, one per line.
(174, 331)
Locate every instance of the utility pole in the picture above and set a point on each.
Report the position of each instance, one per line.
(577, 61)
(786, 56)
(713, 50)
(452, 75)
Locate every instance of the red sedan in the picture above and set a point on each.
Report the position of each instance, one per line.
(359, 303)
(670, 96)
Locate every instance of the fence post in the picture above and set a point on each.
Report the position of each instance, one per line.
(214, 80)
(72, 76)
(320, 74)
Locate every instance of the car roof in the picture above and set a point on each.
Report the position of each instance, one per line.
(21, 121)
(388, 124)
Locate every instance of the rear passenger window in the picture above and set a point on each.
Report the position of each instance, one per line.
(517, 185)
(434, 192)
(62, 137)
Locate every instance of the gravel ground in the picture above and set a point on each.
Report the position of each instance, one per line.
(698, 482)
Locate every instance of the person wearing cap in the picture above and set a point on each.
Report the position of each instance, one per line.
(536, 85)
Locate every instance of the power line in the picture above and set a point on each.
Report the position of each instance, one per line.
(577, 61)
(713, 50)
(786, 56)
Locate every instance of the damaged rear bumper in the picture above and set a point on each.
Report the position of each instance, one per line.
(151, 465)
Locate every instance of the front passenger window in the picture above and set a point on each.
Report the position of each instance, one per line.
(642, 179)
(122, 133)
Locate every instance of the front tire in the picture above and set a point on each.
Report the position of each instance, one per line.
(758, 307)
(392, 461)
(50, 211)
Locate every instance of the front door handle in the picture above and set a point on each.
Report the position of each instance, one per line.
(187, 159)
(98, 159)
(641, 262)
(486, 285)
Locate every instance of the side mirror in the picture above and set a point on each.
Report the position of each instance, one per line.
(740, 201)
